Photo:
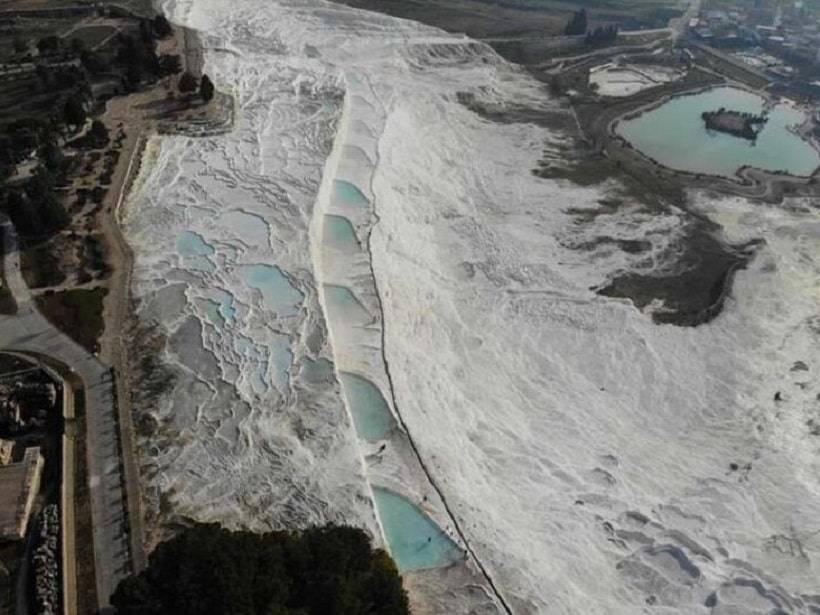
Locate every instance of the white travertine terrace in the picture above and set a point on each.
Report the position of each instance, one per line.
(585, 453)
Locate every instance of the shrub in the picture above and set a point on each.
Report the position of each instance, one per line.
(206, 88)
(187, 83)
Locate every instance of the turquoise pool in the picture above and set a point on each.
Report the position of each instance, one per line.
(344, 307)
(345, 193)
(339, 233)
(675, 135)
(414, 540)
(195, 252)
(371, 414)
(279, 294)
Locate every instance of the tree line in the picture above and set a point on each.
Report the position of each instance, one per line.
(65, 73)
(330, 570)
(600, 36)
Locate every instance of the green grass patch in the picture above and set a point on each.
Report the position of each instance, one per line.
(41, 267)
(93, 35)
(77, 312)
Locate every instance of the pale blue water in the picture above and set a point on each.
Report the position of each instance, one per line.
(371, 415)
(343, 306)
(674, 134)
(281, 357)
(251, 229)
(256, 366)
(339, 233)
(345, 193)
(320, 370)
(413, 539)
(219, 307)
(195, 252)
(278, 292)
(225, 304)
(213, 313)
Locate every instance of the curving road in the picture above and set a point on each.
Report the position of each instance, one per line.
(29, 331)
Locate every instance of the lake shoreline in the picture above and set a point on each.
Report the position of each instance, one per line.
(617, 131)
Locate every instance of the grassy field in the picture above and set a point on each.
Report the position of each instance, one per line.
(78, 312)
(40, 266)
(93, 35)
(523, 18)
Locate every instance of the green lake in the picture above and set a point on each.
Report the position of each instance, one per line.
(674, 135)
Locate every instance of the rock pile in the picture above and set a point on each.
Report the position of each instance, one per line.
(44, 560)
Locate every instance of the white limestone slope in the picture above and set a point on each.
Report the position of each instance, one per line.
(583, 451)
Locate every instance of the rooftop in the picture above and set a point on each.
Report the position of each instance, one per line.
(19, 484)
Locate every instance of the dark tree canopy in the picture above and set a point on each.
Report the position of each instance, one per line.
(43, 211)
(139, 58)
(51, 155)
(322, 571)
(93, 62)
(162, 27)
(169, 64)
(187, 83)
(48, 44)
(98, 134)
(74, 111)
(20, 45)
(577, 24)
(602, 36)
(25, 135)
(206, 88)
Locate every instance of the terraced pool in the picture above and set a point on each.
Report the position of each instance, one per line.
(414, 540)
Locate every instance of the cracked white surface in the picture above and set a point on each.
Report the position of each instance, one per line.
(585, 451)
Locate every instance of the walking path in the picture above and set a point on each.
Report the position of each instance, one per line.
(30, 332)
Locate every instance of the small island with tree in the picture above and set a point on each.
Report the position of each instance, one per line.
(736, 123)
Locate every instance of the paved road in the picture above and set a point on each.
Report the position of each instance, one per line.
(29, 331)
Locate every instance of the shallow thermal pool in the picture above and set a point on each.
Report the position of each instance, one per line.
(674, 135)
(414, 540)
(277, 291)
(344, 308)
(195, 252)
(371, 415)
(339, 233)
(345, 193)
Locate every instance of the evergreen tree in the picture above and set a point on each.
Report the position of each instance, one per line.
(98, 134)
(74, 111)
(133, 76)
(78, 46)
(602, 36)
(24, 215)
(146, 30)
(187, 83)
(40, 191)
(48, 44)
(577, 24)
(93, 62)
(51, 155)
(162, 27)
(206, 89)
(169, 64)
(20, 45)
